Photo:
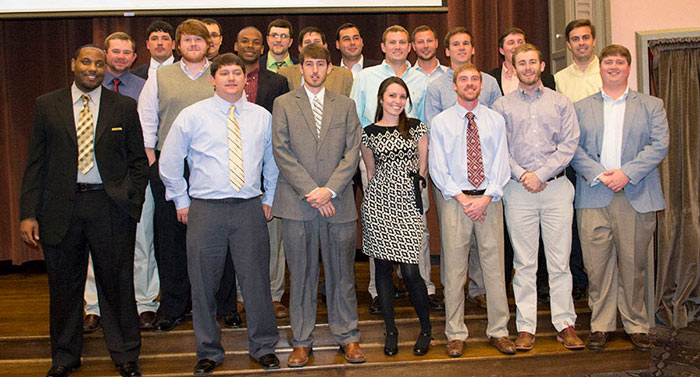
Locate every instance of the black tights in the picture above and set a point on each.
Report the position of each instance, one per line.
(417, 292)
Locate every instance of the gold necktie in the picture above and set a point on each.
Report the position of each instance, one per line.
(85, 132)
(236, 176)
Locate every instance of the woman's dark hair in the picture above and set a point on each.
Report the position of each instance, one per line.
(403, 119)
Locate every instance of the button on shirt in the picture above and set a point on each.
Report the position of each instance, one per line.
(542, 131)
(366, 86)
(148, 104)
(130, 85)
(613, 121)
(200, 134)
(93, 175)
(441, 94)
(448, 151)
(577, 84)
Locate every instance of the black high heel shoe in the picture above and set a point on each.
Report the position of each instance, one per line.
(391, 343)
(422, 345)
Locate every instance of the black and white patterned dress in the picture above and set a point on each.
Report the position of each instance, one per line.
(392, 226)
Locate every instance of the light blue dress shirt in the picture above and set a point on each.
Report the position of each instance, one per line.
(366, 85)
(441, 94)
(200, 134)
(448, 151)
(130, 85)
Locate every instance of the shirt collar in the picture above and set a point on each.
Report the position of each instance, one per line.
(360, 63)
(156, 63)
(439, 68)
(591, 66)
(623, 98)
(271, 60)
(224, 106)
(536, 94)
(462, 111)
(320, 94)
(76, 93)
(204, 68)
(124, 79)
(388, 68)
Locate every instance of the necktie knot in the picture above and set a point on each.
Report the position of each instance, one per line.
(279, 64)
(231, 111)
(85, 98)
(470, 115)
(115, 84)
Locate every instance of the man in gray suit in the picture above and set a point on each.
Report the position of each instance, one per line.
(315, 141)
(624, 137)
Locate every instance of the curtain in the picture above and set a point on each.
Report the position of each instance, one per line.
(676, 76)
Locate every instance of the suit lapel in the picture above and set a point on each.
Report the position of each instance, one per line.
(106, 113)
(328, 107)
(599, 121)
(64, 108)
(630, 108)
(305, 109)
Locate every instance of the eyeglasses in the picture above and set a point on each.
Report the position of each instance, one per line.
(281, 36)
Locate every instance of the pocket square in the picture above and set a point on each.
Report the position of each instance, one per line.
(116, 128)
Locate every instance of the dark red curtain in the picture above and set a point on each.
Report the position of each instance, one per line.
(35, 59)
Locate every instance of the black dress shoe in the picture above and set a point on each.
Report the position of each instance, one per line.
(147, 320)
(60, 371)
(375, 307)
(269, 361)
(391, 343)
(91, 323)
(543, 294)
(130, 369)
(232, 320)
(578, 293)
(422, 344)
(398, 292)
(597, 340)
(435, 302)
(167, 324)
(205, 366)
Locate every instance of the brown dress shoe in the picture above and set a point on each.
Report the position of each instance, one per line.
(147, 320)
(569, 339)
(299, 357)
(479, 300)
(503, 345)
(280, 310)
(353, 353)
(597, 340)
(525, 341)
(455, 348)
(91, 323)
(641, 341)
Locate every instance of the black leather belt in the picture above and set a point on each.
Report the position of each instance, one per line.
(473, 192)
(561, 174)
(83, 187)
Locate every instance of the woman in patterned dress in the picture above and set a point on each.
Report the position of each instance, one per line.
(394, 149)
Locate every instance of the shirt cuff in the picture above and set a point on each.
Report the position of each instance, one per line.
(181, 202)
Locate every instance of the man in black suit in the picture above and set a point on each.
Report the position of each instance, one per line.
(160, 43)
(505, 74)
(83, 189)
(349, 42)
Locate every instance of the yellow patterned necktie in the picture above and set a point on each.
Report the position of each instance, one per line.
(236, 176)
(85, 132)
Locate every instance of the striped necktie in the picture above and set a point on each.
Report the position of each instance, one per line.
(236, 176)
(85, 133)
(318, 115)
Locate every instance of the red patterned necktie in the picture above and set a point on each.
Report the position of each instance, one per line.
(116, 82)
(475, 165)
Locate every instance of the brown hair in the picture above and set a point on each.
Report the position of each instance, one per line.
(616, 50)
(122, 37)
(420, 29)
(463, 68)
(224, 60)
(394, 29)
(455, 31)
(404, 126)
(524, 48)
(192, 27)
(507, 32)
(579, 23)
(314, 51)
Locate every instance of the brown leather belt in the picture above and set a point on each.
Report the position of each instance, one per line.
(473, 192)
(561, 174)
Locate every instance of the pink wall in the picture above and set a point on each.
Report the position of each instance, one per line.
(630, 16)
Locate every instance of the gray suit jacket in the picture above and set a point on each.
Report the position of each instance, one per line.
(306, 161)
(644, 144)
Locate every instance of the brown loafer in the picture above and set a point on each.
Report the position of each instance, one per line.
(641, 341)
(280, 310)
(299, 357)
(455, 348)
(91, 323)
(569, 339)
(597, 340)
(479, 300)
(147, 320)
(353, 353)
(525, 341)
(503, 345)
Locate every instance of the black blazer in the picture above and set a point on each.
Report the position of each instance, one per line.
(263, 60)
(142, 70)
(48, 185)
(270, 86)
(366, 62)
(547, 78)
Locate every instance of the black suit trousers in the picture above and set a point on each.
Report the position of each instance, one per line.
(99, 225)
